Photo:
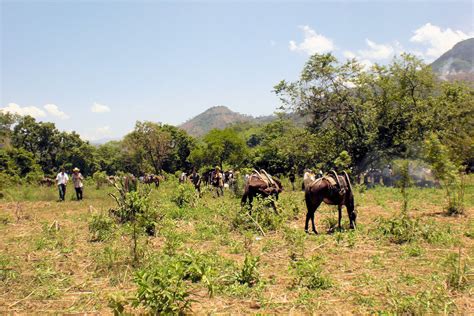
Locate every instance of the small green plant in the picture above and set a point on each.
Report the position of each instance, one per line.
(101, 227)
(399, 229)
(458, 272)
(295, 239)
(198, 268)
(162, 289)
(134, 208)
(261, 219)
(186, 196)
(249, 274)
(7, 272)
(308, 273)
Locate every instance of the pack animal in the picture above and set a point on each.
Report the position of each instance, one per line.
(331, 189)
(260, 183)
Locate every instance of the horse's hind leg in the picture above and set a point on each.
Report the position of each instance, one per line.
(352, 215)
(311, 209)
(339, 217)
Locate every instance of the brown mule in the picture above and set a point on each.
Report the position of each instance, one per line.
(256, 185)
(325, 190)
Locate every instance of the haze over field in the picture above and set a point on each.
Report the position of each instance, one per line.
(98, 67)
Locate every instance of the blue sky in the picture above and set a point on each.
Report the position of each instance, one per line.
(96, 67)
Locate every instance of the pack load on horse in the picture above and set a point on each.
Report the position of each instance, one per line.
(183, 177)
(308, 177)
(331, 189)
(261, 183)
(151, 178)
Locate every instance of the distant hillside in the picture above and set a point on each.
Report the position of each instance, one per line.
(457, 63)
(221, 117)
(215, 117)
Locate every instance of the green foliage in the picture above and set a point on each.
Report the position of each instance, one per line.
(309, 273)
(458, 272)
(262, 217)
(431, 301)
(162, 289)
(101, 227)
(7, 269)
(343, 161)
(220, 147)
(248, 274)
(185, 196)
(402, 229)
(100, 178)
(447, 172)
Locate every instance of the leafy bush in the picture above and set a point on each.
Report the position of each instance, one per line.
(249, 273)
(399, 229)
(185, 196)
(402, 229)
(261, 219)
(162, 290)
(308, 273)
(100, 178)
(446, 170)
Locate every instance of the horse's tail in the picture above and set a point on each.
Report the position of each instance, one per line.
(348, 180)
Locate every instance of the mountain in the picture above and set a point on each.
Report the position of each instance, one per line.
(218, 117)
(457, 63)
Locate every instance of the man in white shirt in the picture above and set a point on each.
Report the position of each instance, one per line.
(61, 180)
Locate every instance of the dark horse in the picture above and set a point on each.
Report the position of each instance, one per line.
(256, 185)
(332, 191)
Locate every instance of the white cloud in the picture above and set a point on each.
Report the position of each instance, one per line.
(313, 42)
(376, 51)
(26, 110)
(99, 108)
(53, 110)
(98, 133)
(438, 41)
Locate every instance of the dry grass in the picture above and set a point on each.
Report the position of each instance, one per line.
(49, 264)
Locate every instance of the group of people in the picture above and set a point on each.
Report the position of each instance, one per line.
(77, 179)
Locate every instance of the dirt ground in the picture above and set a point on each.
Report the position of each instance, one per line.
(48, 262)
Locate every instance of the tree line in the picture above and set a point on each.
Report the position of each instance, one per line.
(356, 118)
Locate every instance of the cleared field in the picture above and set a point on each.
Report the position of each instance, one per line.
(48, 262)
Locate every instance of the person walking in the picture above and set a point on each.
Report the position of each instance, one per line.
(61, 180)
(218, 181)
(77, 179)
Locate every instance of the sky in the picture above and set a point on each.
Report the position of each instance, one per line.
(96, 67)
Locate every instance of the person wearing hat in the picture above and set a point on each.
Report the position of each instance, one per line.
(218, 181)
(61, 180)
(77, 179)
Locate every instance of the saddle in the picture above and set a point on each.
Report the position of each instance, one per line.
(265, 177)
(336, 183)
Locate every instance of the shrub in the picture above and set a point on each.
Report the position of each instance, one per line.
(249, 274)
(399, 229)
(261, 219)
(185, 196)
(100, 178)
(162, 289)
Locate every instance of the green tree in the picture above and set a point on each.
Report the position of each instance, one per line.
(374, 114)
(148, 146)
(219, 147)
